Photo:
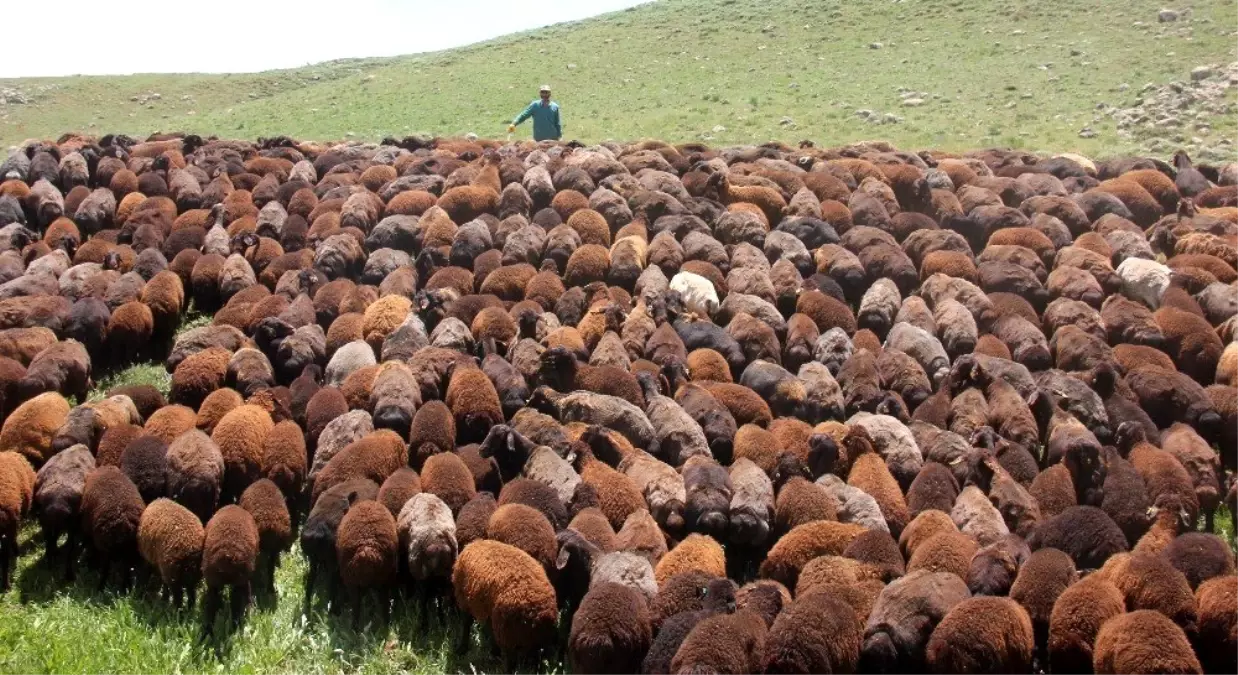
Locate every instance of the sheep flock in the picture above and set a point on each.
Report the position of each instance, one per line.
(658, 408)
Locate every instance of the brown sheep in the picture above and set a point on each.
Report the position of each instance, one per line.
(982, 634)
(1143, 642)
(30, 428)
(229, 557)
(241, 436)
(17, 481)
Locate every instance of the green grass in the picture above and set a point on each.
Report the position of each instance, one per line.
(1020, 73)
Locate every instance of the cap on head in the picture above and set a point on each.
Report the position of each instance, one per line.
(544, 88)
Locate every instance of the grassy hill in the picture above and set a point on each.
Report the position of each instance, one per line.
(1020, 73)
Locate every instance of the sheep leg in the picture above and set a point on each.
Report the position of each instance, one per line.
(384, 603)
(143, 574)
(509, 660)
(70, 552)
(272, 563)
(240, 601)
(466, 633)
(421, 594)
(1208, 520)
(50, 535)
(308, 590)
(333, 590)
(355, 598)
(193, 595)
(127, 575)
(210, 606)
(440, 602)
(105, 567)
(178, 596)
(5, 554)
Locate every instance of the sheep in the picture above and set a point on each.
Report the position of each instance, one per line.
(1125, 496)
(446, 476)
(1143, 642)
(266, 503)
(284, 458)
(198, 374)
(933, 488)
(1216, 642)
(240, 436)
(903, 618)
(1167, 481)
(894, 442)
(597, 409)
(144, 461)
(853, 504)
(428, 542)
(718, 597)
(696, 552)
(62, 367)
(31, 427)
(229, 556)
(982, 634)
(1041, 580)
(786, 394)
(870, 474)
(708, 492)
(502, 585)
(752, 504)
(1189, 341)
(111, 511)
(923, 347)
(474, 403)
(803, 543)
(1077, 616)
(1200, 556)
(366, 550)
(171, 539)
(1200, 462)
(816, 633)
(663, 488)
(714, 419)
(57, 498)
(375, 456)
(879, 550)
(1170, 396)
(1085, 533)
(724, 643)
(611, 630)
(1149, 581)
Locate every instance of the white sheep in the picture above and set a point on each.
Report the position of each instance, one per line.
(1144, 280)
(699, 294)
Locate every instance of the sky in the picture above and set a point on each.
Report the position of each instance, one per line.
(121, 37)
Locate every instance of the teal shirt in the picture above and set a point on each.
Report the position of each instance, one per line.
(546, 125)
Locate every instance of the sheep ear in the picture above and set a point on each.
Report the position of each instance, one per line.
(352, 497)
(561, 561)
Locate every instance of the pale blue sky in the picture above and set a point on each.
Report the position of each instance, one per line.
(217, 36)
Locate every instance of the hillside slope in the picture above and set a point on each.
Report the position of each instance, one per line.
(943, 73)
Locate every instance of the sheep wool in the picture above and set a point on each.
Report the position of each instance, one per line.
(171, 538)
(983, 634)
(29, 429)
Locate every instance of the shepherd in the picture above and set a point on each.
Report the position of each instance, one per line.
(545, 114)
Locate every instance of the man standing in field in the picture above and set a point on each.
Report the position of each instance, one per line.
(545, 114)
